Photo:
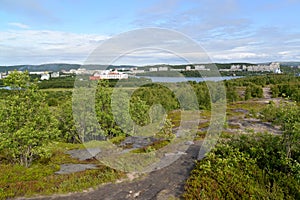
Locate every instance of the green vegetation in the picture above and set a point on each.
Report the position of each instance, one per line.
(290, 90)
(66, 124)
(29, 152)
(253, 91)
(246, 167)
(231, 93)
(157, 94)
(26, 124)
(39, 178)
(37, 126)
(65, 82)
(286, 86)
(288, 117)
(252, 166)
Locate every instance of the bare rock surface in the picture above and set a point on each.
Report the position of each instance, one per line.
(167, 182)
(72, 168)
(84, 154)
(138, 141)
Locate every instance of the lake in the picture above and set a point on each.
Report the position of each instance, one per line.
(185, 79)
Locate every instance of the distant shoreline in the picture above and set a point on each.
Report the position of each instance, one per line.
(156, 79)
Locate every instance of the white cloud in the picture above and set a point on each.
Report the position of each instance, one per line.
(19, 25)
(239, 56)
(226, 30)
(43, 46)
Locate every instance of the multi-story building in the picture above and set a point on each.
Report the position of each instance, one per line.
(163, 69)
(107, 74)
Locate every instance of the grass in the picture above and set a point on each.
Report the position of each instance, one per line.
(200, 135)
(231, 112)
(177, 115)
(57, 89)
(118, 139)
(226, 134)
(155, 146)
(40, 179)
(246, 105)
(234, 126)
(204, 125)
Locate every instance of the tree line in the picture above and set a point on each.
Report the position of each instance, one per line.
(32, 118)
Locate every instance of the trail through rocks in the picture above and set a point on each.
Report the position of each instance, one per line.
(162, 184)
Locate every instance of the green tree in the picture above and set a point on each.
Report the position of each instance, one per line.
(103, 108)
(203, 96)
(157, 94)
(288, 116)
(231, 94)
(296, 95)
(85, 115)
(187, 98)
(275, 91)
(66, 124)
(253, 90)
(248, 94)
(139, 112)
(26, 124)
(120, 107)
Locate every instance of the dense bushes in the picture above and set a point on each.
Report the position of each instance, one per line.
(264, 80)
(157, 94)
(57, 83)
(145, 97)
(54, 98)
(153, 94)
(253, 91)
(288, 117)
(290, 90)
(246, 167)
(258, 166)
(231, 92)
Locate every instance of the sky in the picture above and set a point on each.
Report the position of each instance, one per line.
(68, 31)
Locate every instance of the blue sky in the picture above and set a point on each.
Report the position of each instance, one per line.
(46, 31)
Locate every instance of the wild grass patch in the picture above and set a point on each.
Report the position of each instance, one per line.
(40, 178)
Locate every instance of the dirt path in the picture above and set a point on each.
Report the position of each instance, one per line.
(161, 184)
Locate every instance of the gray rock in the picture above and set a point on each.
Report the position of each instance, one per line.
(178, 153)
(241, 110)
(84, 154)
(189, 142)
(72, 168)
(138, 141)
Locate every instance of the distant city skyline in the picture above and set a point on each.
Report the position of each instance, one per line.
(67, 31)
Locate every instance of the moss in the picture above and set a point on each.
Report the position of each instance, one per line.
(154, 146)
(226, 134)
(234, 126)
(203, 125)
(118, 139)
(39, 179)
(200, 135)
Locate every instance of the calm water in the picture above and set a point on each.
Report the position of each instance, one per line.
(185, 79)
